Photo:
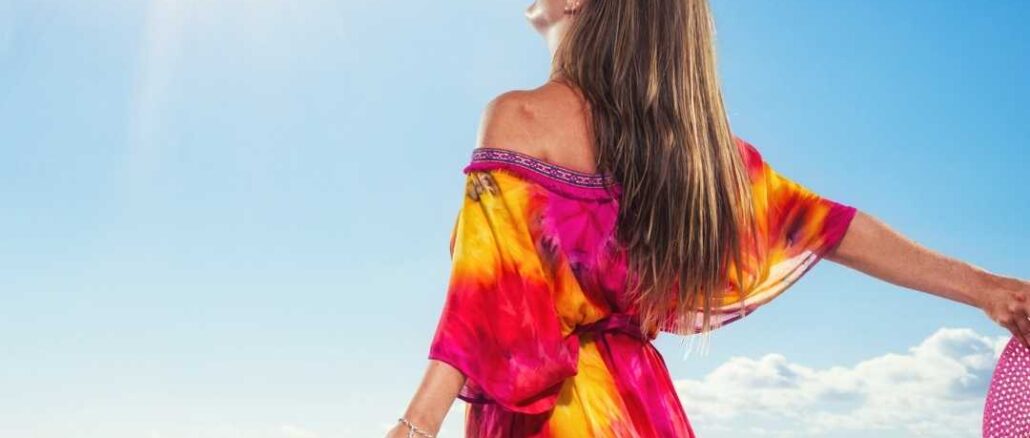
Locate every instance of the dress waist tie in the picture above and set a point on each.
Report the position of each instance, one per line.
(616, 322)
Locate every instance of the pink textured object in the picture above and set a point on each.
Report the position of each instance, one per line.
(1007, 410)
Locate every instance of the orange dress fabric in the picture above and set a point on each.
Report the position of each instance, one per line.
(533, 315)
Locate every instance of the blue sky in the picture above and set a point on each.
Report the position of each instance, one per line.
(230, 218)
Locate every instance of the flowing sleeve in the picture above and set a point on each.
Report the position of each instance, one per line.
(499, 325)
(796, 229)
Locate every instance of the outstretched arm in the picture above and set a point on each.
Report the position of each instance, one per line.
(872, 247)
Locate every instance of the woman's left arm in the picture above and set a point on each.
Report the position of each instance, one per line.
(874, 248)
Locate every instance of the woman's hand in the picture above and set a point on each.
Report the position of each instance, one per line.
(1009, 306)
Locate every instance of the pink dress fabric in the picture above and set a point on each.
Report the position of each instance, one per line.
(1007, 409)
(536, 315)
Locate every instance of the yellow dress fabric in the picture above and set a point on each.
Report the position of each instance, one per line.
(534, 316)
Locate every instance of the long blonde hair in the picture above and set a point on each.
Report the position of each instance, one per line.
(648, 71)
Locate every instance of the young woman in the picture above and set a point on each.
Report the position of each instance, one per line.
(614, 202)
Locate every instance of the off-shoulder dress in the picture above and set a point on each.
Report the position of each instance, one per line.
(533, 316)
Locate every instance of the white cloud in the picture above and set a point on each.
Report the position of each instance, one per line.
(936, 389)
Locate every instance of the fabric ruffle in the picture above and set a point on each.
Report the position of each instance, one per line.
(796, 229)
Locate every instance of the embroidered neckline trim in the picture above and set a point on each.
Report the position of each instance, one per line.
(541, 167)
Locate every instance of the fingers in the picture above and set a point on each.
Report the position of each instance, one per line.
(1012, 328)
(1023, 300)
(1022, 328)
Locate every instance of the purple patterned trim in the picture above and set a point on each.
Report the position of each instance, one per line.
(529, 162)
(554, 185)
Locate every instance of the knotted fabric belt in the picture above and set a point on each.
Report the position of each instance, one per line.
(616, 322)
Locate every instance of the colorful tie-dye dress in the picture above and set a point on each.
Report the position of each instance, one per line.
(532, 315)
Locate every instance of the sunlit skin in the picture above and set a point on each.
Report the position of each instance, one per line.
(548, 122)
(549, 19)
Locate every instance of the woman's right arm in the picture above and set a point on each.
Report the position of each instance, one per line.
(874, 248)
(432, 400)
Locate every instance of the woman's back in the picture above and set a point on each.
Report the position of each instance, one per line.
(535, 316)
(532, 317)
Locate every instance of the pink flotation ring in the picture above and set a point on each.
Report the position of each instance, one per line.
(1007, 409)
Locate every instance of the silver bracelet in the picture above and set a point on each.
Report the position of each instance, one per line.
(412, 430)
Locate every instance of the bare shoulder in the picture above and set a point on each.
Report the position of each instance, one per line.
(538, 122)
(507, 122)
